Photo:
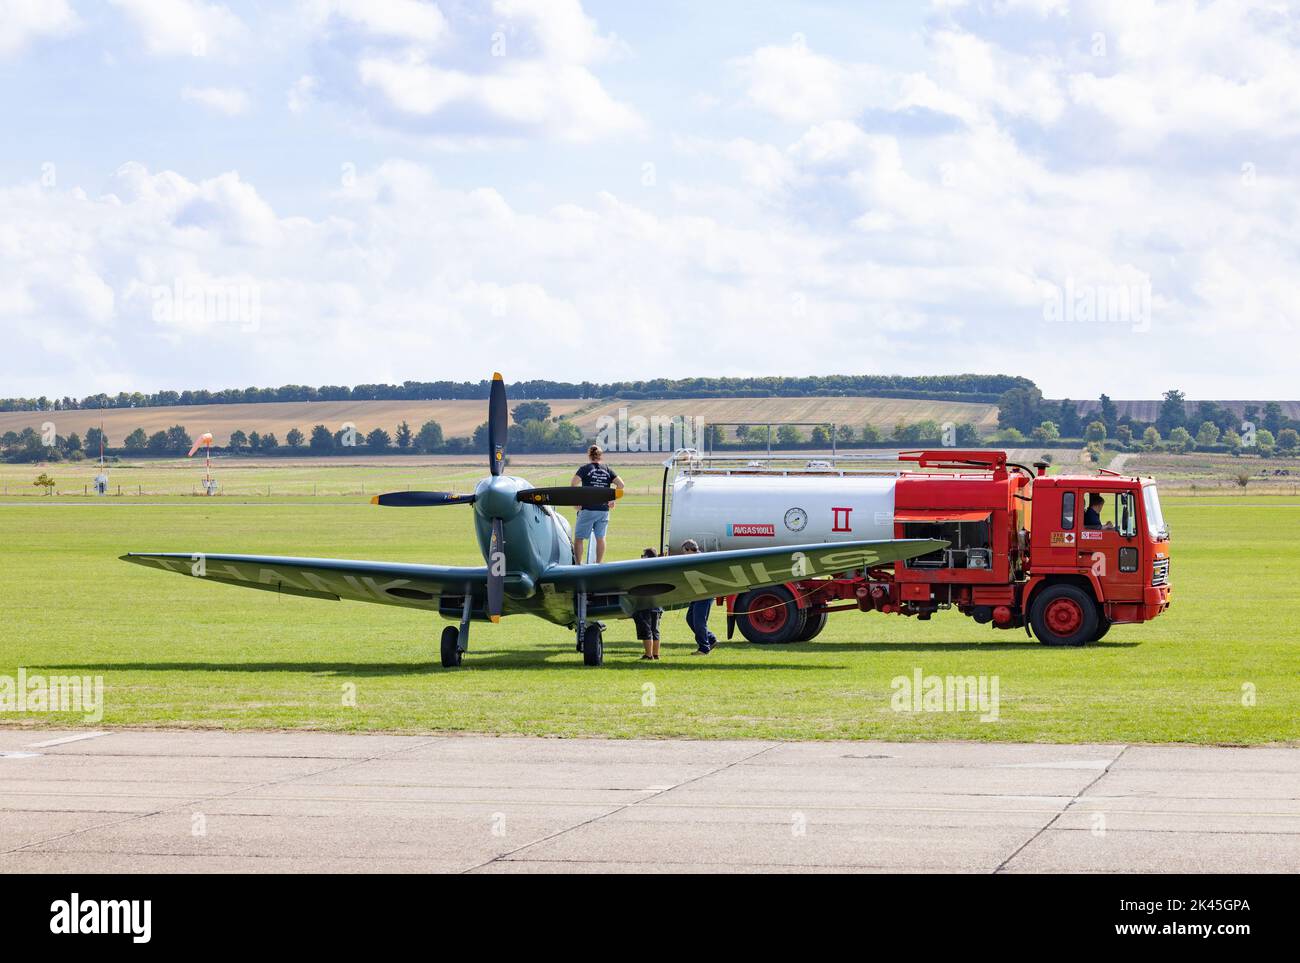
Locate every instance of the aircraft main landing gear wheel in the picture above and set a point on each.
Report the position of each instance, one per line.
(451, 653)
(1064, 615)
(593, 646)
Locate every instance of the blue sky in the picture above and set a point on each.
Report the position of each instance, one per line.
(1099, 195)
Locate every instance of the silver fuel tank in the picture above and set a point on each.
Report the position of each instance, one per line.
(747, 511)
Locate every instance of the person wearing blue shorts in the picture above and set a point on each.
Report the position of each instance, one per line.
(593, 521)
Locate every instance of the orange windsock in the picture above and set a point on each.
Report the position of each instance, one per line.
(204, 439)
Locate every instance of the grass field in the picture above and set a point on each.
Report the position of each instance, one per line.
(263, 478)
(177, 652)
(353, 476)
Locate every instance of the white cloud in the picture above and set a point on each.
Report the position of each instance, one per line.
(414, 87)
(185, 27)
(969, 79)
(559, 30)
(1054, 168)
(23, 21)
(915, 275)
(502, 70)
(799, 86)
(902, 220)
(1149, 71)
(412, 20)
(301, 93)
(230, 101)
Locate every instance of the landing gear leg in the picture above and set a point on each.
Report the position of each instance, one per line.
(455, 642)
(591, 641)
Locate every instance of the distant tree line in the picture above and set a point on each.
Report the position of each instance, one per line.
(1023, 413)
(965, 387)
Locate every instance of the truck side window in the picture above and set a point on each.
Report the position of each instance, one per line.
(1126, 509)
(1067, 511)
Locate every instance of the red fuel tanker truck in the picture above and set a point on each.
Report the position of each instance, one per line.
(1021, 552)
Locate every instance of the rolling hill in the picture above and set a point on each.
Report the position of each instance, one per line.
(459, 418)
(456, 417)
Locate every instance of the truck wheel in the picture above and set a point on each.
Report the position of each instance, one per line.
(776, 615)
(1064, 615)
(813, 625)
(1103, 626)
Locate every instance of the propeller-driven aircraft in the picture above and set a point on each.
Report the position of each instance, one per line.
(529, 566)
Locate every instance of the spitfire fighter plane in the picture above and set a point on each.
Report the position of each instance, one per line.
(529, 565)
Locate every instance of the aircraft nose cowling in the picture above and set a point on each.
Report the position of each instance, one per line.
(495, 497)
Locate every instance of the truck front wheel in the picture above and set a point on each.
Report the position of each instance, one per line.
(769, 615)
(1064, 615)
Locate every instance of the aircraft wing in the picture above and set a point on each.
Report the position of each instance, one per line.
(389, 583)
(674, 580)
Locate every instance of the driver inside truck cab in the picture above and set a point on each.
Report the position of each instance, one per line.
(1092, 517)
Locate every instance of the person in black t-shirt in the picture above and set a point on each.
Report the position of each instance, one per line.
(593, 521)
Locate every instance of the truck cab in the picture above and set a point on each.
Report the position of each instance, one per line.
(1098, 551)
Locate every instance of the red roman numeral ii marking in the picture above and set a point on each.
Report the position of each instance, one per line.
(841, 520)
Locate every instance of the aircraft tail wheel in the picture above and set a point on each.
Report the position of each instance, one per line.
(593, 646)
(451, 653)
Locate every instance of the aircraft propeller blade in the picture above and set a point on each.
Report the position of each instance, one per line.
(421, 499)
(568, 495)
(498, 425)
(496, 575)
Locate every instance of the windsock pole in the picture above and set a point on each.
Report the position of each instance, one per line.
(205, 440)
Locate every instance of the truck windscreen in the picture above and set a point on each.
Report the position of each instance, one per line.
(1155, 518)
